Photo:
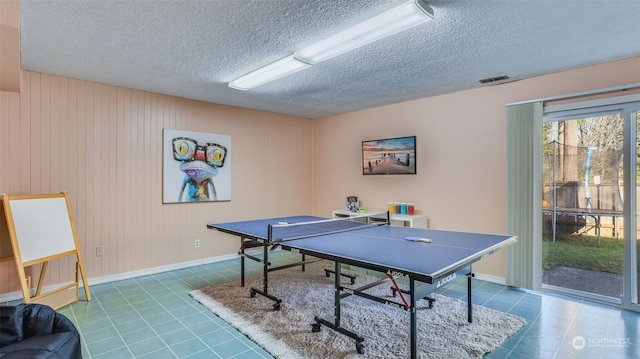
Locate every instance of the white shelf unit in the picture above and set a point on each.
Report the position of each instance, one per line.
(417, 220)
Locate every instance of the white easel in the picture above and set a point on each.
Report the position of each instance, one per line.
(41, 229)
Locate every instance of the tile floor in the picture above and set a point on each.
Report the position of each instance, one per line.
(154, 317)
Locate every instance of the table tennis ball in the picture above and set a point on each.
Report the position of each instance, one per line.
(545, 204)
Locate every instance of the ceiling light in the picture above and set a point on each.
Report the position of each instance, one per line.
(394, 20)
(384, 24)
(273, 71)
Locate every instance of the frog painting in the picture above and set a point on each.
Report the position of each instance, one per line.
(199, 162)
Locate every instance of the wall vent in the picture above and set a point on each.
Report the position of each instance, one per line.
(494, 79)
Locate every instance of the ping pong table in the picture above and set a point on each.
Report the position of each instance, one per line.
(257, 233)
(381, 248)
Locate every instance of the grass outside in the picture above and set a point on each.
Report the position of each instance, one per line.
(582, 251)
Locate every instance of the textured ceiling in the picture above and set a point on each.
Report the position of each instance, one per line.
(193, 48)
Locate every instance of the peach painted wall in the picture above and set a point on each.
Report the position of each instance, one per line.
(103, 145)
(461, 150)
(10, 74)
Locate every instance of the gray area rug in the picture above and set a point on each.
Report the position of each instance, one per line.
(443, 331)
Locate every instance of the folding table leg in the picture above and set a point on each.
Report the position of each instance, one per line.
(265, 279)
(242, 261)
(414, 324)
(469, 304)
(315, 327)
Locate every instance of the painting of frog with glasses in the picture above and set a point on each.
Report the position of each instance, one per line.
(197, 167)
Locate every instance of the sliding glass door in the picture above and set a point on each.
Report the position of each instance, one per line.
(590, 175)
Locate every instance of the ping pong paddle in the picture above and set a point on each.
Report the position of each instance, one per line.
(418, 239)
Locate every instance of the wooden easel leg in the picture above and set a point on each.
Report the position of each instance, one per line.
(43, 271)
(25, 284)
(85, 283)
(77, 283)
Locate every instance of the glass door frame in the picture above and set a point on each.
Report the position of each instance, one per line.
(628, 107)
(630, 273)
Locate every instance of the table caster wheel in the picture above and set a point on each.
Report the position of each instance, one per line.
(353, 281)
(360, 348)
(431, 300)
(252, 293)
(315, 327)
(276, 306)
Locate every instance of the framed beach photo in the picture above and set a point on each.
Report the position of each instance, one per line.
(389, 156)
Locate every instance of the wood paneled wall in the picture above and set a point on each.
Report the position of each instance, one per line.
(103, 145)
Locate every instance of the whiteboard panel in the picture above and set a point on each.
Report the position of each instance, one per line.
(43, 227)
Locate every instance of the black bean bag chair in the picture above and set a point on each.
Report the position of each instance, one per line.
(37, 331)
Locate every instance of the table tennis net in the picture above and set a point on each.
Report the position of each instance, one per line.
(292, 231)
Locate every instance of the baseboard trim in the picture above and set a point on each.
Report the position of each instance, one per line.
(490, 278)
(11, 296)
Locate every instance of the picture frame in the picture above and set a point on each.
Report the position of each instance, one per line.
(389, 156)
(196, 167)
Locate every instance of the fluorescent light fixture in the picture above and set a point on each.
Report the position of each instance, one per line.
(394, 20)
(273, 71)
(384, 24)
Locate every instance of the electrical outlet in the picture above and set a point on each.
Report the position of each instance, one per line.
(99, 251)
(196, 243)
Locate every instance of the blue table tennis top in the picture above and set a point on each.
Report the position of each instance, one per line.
(385, 246)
